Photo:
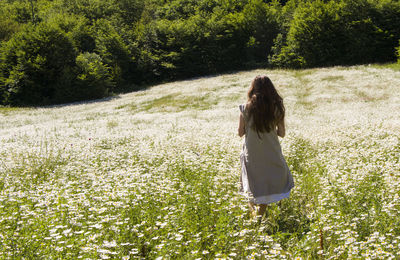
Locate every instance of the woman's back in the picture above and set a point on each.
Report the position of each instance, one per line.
(258, 141)
(263, 163)
(265, 175)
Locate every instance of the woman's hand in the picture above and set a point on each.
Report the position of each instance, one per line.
(280, 131)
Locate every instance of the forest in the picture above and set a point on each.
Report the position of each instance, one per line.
(58, 51)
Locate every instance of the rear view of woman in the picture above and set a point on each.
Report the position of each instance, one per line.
(265, 176)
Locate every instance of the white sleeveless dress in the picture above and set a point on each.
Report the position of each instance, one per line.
(265, 176)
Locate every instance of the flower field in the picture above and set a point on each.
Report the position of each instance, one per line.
(154, 174)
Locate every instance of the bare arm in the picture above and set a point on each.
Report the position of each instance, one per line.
(281, 128)
(241, 129)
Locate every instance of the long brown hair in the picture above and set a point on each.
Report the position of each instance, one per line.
(264, 105)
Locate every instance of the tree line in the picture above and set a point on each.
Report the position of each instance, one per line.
(57, 51)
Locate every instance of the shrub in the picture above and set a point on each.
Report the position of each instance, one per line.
(181, 48)
(343, 32)
(91, 9)
(7, 28)
(315, 36)
(34, 64)
(77, 28)
(94, 79)
(284, 55)
(20, 11)
(261, 26)
(129, 10)
(40, 66)
(398, 53)
(114, 53)
(207, 37)
(371, 30)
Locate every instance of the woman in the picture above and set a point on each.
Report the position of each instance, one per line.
(265, 176)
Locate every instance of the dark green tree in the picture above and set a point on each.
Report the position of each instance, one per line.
(342, 32)
(33, 65)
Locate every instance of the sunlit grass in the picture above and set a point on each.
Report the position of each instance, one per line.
(10, 110)
(394, 66)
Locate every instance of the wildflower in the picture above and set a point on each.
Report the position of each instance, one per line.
(134, 251)
(159, 246)
(109, 244)
(178, 237)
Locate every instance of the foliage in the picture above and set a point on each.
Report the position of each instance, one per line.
(35, 65)
(339, 32)
(94, 78)
(41, 65)
(261, 26)
(147, 41)
(372, 32)
(114, 52)
(7, 27)
(398, 53)
(208, 37)
(19, 11)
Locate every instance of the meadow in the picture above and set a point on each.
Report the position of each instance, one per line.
(154, 174)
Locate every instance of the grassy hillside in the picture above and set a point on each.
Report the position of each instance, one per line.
(155, 173)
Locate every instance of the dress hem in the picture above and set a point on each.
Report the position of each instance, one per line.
(268, 199)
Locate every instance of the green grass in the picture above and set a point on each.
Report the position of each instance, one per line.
(333, 78)
(177, 103)
(174, 103)
(364, 96)
(5, 111)
(304, 89)
(393, 66)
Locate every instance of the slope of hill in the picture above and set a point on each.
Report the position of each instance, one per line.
(155, 173)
